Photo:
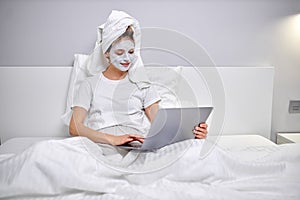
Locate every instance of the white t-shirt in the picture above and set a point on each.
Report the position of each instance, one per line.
(113, 103)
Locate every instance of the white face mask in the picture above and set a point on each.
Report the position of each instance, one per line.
(122, 54)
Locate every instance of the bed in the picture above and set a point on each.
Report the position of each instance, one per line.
(238, 160)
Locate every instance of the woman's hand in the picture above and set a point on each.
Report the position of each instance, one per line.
(200, 131)
(123, 139)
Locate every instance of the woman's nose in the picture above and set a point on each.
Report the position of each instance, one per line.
(126, 57)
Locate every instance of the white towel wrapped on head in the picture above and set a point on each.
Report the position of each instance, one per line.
(112, 29)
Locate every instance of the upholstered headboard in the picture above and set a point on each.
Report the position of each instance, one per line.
(34, 98)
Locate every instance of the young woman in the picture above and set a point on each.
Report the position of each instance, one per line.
(116, 108)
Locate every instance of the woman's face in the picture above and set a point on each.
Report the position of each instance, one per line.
(122, 54)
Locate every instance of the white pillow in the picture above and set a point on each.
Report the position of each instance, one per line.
(79, 73)
(166, 81)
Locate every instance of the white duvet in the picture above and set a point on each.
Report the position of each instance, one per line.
(77, 168)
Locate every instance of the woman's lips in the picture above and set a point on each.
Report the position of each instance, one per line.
(125, 64)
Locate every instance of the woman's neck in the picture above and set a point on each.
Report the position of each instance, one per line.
(113, 73)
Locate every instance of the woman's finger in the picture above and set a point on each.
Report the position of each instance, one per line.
(200, 136)
(128, 139)
(200, 130)
(203, 125)
(141, 140)
(136, 136)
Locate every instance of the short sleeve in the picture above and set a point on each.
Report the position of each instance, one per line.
(151, 96)
(83, 98)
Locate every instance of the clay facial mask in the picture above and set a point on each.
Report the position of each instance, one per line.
(122, 54)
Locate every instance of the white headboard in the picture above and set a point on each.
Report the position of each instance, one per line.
(33, 99)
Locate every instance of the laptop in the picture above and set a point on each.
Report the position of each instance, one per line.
(169, 126)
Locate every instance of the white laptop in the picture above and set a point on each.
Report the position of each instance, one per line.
(171, 125)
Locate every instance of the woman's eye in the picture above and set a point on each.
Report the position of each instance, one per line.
(131, 51)
(119, 52)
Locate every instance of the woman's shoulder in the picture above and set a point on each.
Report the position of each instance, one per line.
(90, 81)
(93, 78)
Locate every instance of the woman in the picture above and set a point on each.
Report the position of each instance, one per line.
(117, 103)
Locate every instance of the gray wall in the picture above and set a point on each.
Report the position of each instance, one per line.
(234, 32)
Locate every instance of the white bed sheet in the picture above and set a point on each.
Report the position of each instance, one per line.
(76, 168)
(236, 142)
(19, 144)
(227, 142)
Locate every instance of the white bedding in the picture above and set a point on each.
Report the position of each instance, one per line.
(76, 168)
(227, 142)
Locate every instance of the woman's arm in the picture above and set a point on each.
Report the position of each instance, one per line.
(77, 128)
(151, 111)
